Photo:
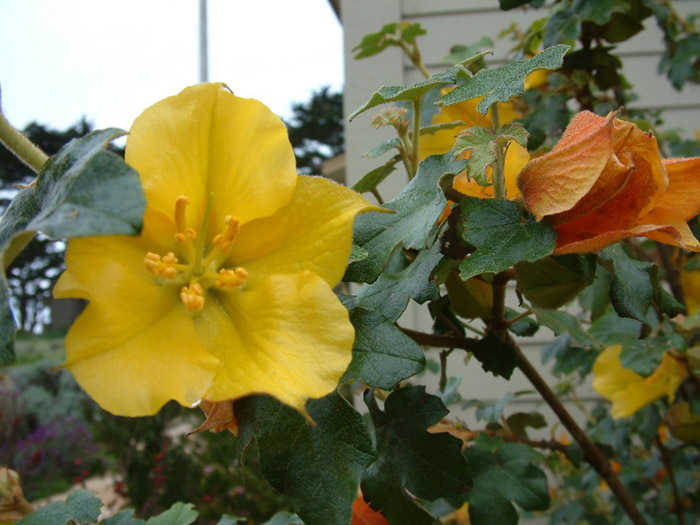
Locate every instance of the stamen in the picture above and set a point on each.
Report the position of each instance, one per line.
(181, 230)
(225, 239)
(231, 278)
(165, 266)
(192, 297)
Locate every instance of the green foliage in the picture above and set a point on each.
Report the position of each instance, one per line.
(501, 238)
(506, 474)
(80, 506)
(416, 210)
(482, 144)
(550, 282)
(308, 461)
(390, 35)
(495, 356)
(382, 354)
(428, 466)
(502, 83)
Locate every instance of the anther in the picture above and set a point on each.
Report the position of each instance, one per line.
(161, 266)
(192, 297)
(226, 238)
(232, 278)
(181, 230)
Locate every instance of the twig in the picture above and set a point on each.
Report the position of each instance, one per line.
(668, 463)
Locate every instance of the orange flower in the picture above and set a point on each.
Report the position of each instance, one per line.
(363, 514)
(605, 181)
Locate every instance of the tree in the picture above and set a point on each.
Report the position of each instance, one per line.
(316, 130)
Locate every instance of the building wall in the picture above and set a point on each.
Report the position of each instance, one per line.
(449, 22)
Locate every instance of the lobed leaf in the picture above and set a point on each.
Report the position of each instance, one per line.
(501, 238)
(502, 83)
(382, 355)
(416, 211)
(318, 465)
(428, 466)
(391, 291)
(80, 506)
(506, 475)
(560, 322)
(415, 91)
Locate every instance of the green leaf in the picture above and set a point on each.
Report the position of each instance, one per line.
(7, 325)
(524, 327)
(495, 356)
(372, 179)
(125, 517)
(598, 11)
(178, 514)
(460, 52)
(80, 506)
(549, 284)
(471, 298)
(413, 92)
(380, 150)
(389, 35)
(434, 128)
(502, 83)
(391, 291)
(410, 459)
(506, 475)
(82, 190)
(317, 465)
(501, 238)
(382, 354)
(284, 518)
(560, 322)
(482, 143)
(520, 421)
(633, 283)
(417, 209)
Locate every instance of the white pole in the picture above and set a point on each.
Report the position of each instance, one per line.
(203, 51)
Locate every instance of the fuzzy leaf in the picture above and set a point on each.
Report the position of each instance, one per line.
(178, 514)
(413, 92)
(390, 293)
(501, 238)
(633, 283)
(388, 35)
(373, 178)
(80, 506)
(317, 465)
(560, 322)
(382, 354)
(416, 211)
(482, 143)
(429, 466)
(502, 83)
(506, 475)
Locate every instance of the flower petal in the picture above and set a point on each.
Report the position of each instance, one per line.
(312, 232)
(145, 367)
(682, 194)
(290, 338)
(134, 347)
(206, 139)
(555, 182)
(672, 229)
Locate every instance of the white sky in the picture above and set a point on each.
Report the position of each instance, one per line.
(110, 59)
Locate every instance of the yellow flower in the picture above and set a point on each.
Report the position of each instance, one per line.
(629, 391)
(228, 289)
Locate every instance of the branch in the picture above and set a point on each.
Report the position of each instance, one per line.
(440, 341)
(591, 452)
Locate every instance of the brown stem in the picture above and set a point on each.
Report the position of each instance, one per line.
(668, 463)
(440, 341)
(443, 369)
(673, 275)
(591, 452)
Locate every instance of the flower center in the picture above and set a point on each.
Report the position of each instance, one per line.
(199, 270)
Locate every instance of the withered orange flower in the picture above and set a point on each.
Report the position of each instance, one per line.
(605, 181)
